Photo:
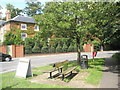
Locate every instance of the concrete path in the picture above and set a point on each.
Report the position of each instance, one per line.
(110, 74)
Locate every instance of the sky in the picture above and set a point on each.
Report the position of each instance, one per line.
(21, 4)
(17, 3)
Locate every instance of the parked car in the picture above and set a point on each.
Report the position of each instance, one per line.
(5, 57)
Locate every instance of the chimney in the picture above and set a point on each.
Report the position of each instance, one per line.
(8, 15)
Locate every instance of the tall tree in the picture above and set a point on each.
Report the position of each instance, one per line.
(105, 18)
(14, 11)
(33, 8)
(65, 19)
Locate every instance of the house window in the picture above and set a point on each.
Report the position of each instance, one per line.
(36, 28)
(23, 27)
(23, 35)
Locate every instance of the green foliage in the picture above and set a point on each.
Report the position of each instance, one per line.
(52, 49)
(75, 48)
(96, 45)
(29, 43)
(28, 49)
(44, 49)
(116, 56)
(54, 42)
(36, 48)
(105, 21)
(14, 11)
(9, 39)
(62, 19)
(58, 48)
(33, 8)
(64, 48)
(71, 48)
(13, 39)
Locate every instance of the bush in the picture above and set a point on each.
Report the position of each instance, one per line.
(71, 48)
(52, 49)
(96, 45)
(59, 48)
(28, 49)
(116, 56)
(29, 45)
(36, 48)
(75, 48)
(65, 47)
(44, 48)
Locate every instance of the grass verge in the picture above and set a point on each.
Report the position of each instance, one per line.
(95, 71)
(94, 76)
(10, 81)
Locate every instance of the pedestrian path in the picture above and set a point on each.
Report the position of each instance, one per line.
(110, 74)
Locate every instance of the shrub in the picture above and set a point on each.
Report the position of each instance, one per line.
(116, 56)
(96, 45)
(13, 38)
(75, 48)
(28, 49)
(58, 48)
(64, 48)
(71, 48)
(28, 45)
(52, 49)
(36, 48)
(44, 48)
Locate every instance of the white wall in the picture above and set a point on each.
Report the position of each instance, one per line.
(2, 32)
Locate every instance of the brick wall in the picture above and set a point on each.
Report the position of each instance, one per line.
(17, 50)
(88, 47)
(13, 51)
(18, 25)
(3, 49)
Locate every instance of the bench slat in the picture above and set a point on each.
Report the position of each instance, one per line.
(61, 63)
(68, 70)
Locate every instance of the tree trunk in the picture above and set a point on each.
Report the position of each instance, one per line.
(78, 50)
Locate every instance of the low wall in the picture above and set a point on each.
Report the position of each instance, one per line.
(88, 47)
(15, 51)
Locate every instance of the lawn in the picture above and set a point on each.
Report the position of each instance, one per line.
(94, 76)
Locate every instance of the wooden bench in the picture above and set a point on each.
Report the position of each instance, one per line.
(59, 67)
(69, 70)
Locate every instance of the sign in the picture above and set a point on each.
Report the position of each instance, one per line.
(94, 54)
(24, 68)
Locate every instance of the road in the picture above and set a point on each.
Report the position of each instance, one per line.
(42, 60)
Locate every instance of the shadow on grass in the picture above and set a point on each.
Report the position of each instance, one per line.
(71, 76)
(9, 87)
(35, 75)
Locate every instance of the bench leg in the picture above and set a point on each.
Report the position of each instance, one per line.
(71, 72)
(50, 74)
(63, 76)
(61, 70)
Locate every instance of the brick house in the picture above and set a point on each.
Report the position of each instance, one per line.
(27, 26)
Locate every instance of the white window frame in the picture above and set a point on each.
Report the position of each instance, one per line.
(25, 27)
(24, 37)
(36, 29)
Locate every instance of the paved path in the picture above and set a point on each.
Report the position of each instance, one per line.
(110, 74)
